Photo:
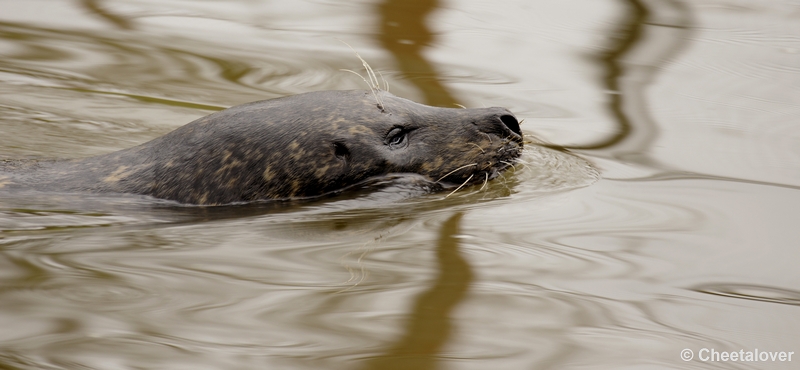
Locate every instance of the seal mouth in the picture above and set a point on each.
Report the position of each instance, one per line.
(508, 155)
(487, 167)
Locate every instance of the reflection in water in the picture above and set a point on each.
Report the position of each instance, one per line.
(651, 34)
(625, 273)
(752, 292)
(626, 37)
(429, 325)
(686, 175)
(404, 34)
(95, 7)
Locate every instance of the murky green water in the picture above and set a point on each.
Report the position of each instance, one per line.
(689, 240)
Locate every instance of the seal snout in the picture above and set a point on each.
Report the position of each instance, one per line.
(500, 122)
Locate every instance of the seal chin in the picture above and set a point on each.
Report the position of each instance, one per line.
(496, 171)
(487, 166)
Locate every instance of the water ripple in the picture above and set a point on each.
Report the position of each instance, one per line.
(751, 292)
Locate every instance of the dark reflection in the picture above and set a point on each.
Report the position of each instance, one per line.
(404, 34)
(688, 175)
(658, 30)
(428, 328)
(95, 7)
(624, 38)
(751, 292)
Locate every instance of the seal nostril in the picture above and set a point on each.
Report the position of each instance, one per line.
(511, 123)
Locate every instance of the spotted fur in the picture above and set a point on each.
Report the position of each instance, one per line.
(299, 146)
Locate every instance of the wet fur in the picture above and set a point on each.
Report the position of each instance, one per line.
(300, 146)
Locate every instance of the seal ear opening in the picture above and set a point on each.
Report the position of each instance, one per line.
(340, 151)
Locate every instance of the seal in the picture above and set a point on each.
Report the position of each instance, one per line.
(301, 146)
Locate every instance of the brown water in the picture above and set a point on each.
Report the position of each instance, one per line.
(690, 239)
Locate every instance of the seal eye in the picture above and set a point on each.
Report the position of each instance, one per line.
(397, 138)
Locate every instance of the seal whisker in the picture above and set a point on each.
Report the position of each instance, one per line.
(479, 148)
(521, 160)
(451, 172)
(509, 163)
(370, 72)
(460, 186)
(385, 82)
(357, 74)
(373, 80)
(459, 105)
(485, 181)
(524, 165)
(505, 179)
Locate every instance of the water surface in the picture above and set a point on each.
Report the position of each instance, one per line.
(687, 238)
